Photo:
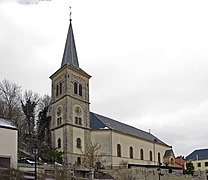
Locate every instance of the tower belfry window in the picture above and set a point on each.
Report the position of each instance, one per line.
(75, 88)
(60, 88)
(57, 90)
(80, 90)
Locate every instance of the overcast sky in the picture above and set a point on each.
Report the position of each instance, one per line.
(148, 59)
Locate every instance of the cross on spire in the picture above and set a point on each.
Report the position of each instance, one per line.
(70, 13)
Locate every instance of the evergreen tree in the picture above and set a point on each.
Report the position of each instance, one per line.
(29, 104)
(189, 168)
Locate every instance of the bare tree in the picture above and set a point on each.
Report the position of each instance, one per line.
(44, 101)
(10, 102)
(91, 155)
(10, 107)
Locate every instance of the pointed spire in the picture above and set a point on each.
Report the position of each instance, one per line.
(70, 53)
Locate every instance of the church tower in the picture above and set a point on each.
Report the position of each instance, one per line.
(70, 125)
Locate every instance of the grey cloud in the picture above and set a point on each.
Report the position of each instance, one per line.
(30, 1)
(23, 1)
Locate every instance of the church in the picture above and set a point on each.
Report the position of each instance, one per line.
(74, 127)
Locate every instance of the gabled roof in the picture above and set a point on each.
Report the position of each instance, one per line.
(199, 154)
(70, 53)
(6, 124)
(100, 122)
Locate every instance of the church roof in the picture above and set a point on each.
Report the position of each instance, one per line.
(6, 124)
(70, 58)
(70, 53)
(100, 122)
(199, 154)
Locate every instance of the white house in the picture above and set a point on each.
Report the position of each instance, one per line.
(199, 158)
(8, 144)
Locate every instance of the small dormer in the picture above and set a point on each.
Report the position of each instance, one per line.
(169, 158)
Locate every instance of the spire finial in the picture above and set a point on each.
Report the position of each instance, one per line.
(70, 13)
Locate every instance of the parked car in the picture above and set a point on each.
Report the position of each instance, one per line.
(26, 161)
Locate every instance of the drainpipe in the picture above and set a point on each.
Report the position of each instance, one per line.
(111, 141)
(154, 144)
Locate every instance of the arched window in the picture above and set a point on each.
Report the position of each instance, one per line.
(79, 143)
(76, 120)
(131, 152)
(75, 88)
(80, 90)
(79, 161)
(59, 142)
(118, 150)
(57, 90)
(80, 121)
(159, 158)
(60, 120)
(150, 155)
(141, 154)
(60, 88)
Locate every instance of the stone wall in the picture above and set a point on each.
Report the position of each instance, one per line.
(149, 174)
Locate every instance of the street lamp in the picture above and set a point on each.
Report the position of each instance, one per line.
(159, 169)
(159, 172)
(35, 153)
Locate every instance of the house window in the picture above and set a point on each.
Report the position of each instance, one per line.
(150, 154)
(59, 142)
(199, 164)
(79, 143)
(60, 88)
(206, 163)
(131, 152)
(80, 90)
(75, 88)
(141, 154)
(4, 162)
(118, 150)
(57, 90)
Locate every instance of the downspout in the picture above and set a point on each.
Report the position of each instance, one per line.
(111, 141)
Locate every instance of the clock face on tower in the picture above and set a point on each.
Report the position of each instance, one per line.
(59, 111)
(78, 111)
